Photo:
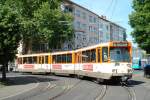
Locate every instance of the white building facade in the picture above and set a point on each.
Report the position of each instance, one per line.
(90, 28)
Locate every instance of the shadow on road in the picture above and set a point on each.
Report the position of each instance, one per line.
(130, 83)
(24, 79)
(135, 82)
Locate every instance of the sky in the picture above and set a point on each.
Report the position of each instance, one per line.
(116, 11)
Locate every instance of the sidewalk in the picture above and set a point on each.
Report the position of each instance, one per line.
(15, 89)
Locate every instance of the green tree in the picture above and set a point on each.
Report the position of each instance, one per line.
(140, 22)
(54, 26)
(41, 22)
(9, 35)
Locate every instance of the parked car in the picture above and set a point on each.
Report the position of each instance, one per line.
(147, 71)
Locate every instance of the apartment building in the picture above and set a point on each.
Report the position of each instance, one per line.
(117, 33)
(85, 25)
(91, 28)
(104, 30)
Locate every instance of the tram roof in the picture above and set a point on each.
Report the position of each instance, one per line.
(92, 47)
(62, 52)
(68, 52)
(37, 54)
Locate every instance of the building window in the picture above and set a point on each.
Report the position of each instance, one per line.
(78, 13)
(101, 25)
(84, 26)
(90, 19)
(84, 15)
(84, 39)
(94, 30)
(94, 19)
(107, 27)
(90, 29)
(78, 25)
(67, 9)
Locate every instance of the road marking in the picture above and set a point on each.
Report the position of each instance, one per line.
(49, 84)
(37, 83)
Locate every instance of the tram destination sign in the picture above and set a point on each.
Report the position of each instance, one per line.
(120, 44)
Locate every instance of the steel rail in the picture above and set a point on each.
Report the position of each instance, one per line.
(102, 93)
(67, 88)
(131, 91)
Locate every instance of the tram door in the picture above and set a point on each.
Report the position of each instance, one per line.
(99, 55)
(77, 62)
(41, 65)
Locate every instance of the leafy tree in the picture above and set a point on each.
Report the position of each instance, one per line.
(54, 26)
(9, 35)
(140, 22)
(41, 22)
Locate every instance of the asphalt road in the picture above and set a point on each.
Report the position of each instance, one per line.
(67, 88)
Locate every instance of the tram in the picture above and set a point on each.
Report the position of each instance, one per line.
(111, 60)
(136, 63)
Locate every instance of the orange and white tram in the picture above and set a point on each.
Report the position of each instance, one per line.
(103, 61)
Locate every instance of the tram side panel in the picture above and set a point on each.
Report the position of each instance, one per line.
(88, 64)
(34, 64)
(63, 63)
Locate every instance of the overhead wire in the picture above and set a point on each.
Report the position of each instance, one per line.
(109, 7)
(114, 7)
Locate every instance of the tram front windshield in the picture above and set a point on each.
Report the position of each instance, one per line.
(119, 55)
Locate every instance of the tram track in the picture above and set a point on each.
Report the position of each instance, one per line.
(58, 89)
(67, 87)
(102, 93)
(45, 86)
(131, 91)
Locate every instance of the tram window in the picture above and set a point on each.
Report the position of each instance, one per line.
(46, 59)
(68, 58)
(105, 54)
(85, 56)
(89, 56)
(93, 56)
(99, 55)
(54, 58)
(63, 58)
(19, 60)
(29, 60)
(34, 60)
(58, 59)
(24, 60)
(42, 59)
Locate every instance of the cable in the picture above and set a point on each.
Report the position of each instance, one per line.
(113, 10)
(110, 5)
